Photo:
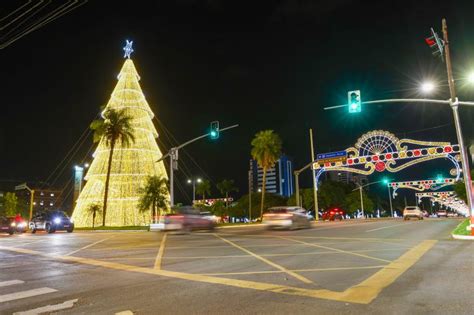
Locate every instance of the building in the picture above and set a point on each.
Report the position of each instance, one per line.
(279, 179)
(347, 177)
(44, 199)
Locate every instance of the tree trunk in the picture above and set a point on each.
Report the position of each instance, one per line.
(226, 201)
(93, 219)
(106, 193)
(153, 212)
(264, 184)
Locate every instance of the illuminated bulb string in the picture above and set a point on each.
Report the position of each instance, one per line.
(130, 165)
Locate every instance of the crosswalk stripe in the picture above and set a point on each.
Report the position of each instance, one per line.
(49, 308)
(25, 294)
(10, 282)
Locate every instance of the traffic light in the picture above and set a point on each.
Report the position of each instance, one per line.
(439, 179)
(385, 181)
(354, 101)
(214, 132)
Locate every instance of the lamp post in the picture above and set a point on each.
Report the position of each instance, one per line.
(385, 181)
(193, 182)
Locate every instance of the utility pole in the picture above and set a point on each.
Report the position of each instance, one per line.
(32, 196)
(297, 184)
(361, 201)
(250, 196)
(454, 102)
(390, 199)
(315, 187)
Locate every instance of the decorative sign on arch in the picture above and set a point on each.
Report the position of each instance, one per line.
(381, 151)
(422, 185)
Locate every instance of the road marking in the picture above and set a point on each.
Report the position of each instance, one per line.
(25, 294)
(363, 293)
(291, 273)
(49, 308)
(370, 288)
(388, 227)
(295, 270)
(161, 250)
(127, 312)
(10, 282)
(87, 246)
(337, 250)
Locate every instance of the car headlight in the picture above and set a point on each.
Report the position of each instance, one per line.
(71, 220)
(13, 224)
(57, 220)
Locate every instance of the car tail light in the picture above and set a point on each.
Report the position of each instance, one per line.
(332, 212)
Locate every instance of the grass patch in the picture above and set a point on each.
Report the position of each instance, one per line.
(461, 228)
(112, 228)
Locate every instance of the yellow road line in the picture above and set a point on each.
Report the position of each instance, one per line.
(337, 250)
(317, 237)
(291, 273)
(161, 250)
(368, 289)
(88, 246)
(294, 270)
(363, 293)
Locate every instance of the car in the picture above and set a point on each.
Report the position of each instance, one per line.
(412, 212)
(442, 213)
(7, 225)
(452, 214)
(187, 219)
(51, 221)
(286, 218)
(19, 223)
(426, 214)
(333, 214)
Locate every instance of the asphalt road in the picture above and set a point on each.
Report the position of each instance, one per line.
(352, 267)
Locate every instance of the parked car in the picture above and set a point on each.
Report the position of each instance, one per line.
(442, 213)
(51, 221)
(333, 214)
(7, 225)
(286, 218)
(412, 212)
(187, 219)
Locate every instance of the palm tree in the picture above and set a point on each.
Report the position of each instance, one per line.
(226, 187)
(93, 208)
(266, 150)
(203, 188)
(154, 195)
(115, 128)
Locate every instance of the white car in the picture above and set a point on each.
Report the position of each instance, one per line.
(412, 212)
(286, 218)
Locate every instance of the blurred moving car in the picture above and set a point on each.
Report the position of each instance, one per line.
(51, 221)
(442, 213)
(19, 223)
(7, 225)
(333, 214)
(452, 214)
(187, 219)
(426, 214)
(412, 212)
(286, 218)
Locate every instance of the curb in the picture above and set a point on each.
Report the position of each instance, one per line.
(463, 237)
(108, 231)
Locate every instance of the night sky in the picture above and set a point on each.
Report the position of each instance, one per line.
(260, 64)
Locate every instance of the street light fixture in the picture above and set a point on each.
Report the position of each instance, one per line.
(427, 87)
(194, 181)
(470, 77)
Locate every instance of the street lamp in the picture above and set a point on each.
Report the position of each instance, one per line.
(193, 182)
(427, 87)
(385, 181)
(470, 77)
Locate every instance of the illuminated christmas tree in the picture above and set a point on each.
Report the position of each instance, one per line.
(130, 165)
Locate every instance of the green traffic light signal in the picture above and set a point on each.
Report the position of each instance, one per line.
(354, 101)
(214, 130)
(439, 179)
(385, 181)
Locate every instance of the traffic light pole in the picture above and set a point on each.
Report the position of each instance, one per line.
(173, 154)
(315, 187)
(454, 105)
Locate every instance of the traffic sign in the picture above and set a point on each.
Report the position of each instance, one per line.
(21, 187)
(332, 157)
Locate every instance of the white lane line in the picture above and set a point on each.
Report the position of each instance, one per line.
(25, 294)
(10, 282)
(390, 226)
(124, 313)
(87, 246)
(49, 308)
